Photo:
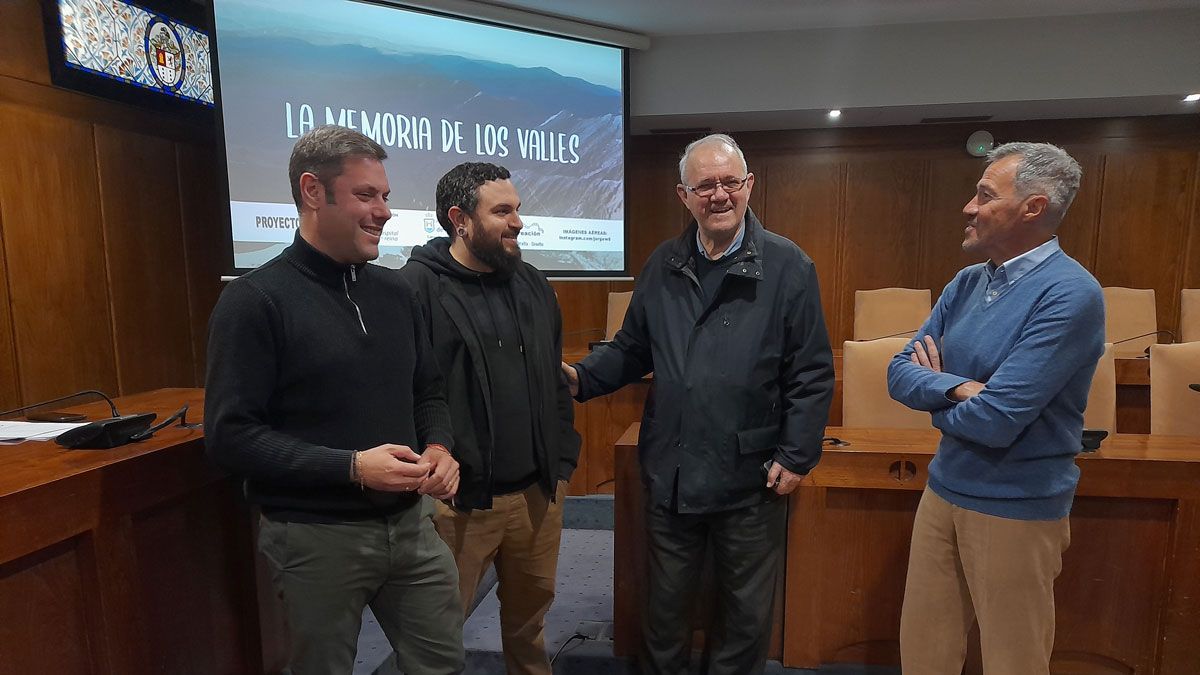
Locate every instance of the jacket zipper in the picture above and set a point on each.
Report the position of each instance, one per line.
(346, 285)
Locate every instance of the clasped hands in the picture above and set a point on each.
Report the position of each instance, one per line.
(925, 353)
(396, 468)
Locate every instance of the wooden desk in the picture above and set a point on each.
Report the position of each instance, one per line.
(131, 560)
(601, 421)
(1127, 596)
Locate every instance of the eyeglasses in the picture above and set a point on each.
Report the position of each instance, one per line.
(707, 189)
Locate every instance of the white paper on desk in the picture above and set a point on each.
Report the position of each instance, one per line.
(15, 432)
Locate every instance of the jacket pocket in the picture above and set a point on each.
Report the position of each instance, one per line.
(754, 441)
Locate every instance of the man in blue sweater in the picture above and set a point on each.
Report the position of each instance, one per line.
(1003, 365)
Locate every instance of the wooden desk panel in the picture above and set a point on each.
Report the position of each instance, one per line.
(1127, 578)
(1133, 396)
(601, 421)
(1126, 597)
(131, 560)
(629, 542)
(1133, 372)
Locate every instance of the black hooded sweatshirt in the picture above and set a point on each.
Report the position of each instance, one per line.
(497, 339)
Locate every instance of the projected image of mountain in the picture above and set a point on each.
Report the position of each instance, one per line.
(434, 91)
(269, 84)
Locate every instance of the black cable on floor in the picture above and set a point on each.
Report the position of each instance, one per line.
(579, 636)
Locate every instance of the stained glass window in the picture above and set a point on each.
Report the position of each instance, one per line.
(130, 44)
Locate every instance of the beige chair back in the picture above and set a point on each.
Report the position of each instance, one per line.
(1189, 315)
(1175, 407)
(865, 399)
(1101, 411)
(618, 304)
(1129, 312)
(888, 311)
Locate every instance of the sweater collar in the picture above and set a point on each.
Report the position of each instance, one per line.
(1017, 266)
(320, 266)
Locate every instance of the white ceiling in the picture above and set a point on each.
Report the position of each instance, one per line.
(694, 17)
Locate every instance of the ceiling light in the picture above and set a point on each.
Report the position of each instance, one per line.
(834, 114)
(1191, 98)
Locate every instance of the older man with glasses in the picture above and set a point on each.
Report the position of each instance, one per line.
(728, 317)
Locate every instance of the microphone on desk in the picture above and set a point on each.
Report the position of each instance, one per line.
(884, 337)
(1146, 335)
(117, 431)
(1091, 439)
(101, 434)
(111, 406)
(108, 433)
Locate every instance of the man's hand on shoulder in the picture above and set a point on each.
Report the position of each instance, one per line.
(391, 468)
(571, 377)
(442, 482)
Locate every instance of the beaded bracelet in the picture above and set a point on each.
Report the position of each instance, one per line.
(355, 474)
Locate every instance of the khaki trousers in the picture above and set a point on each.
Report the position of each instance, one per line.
(520, 534)
(966, 566)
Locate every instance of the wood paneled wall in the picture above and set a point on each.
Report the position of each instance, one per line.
(883, 207)
(110, 228)
(110, 250)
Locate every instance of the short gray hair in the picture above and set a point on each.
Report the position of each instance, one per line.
(1043, 169)
(709, 140)
(323, 151)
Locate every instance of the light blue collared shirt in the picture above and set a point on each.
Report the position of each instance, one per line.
(737, 241)
(1001, 278)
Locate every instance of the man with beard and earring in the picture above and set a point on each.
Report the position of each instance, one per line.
(496, 329)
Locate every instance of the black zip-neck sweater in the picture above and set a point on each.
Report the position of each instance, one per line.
(309, 361)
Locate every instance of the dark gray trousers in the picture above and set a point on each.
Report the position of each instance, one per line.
(326, 574)
(747, 546)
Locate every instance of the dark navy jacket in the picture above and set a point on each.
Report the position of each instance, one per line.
(738, 381)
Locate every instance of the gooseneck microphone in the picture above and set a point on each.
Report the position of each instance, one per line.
(1146, 335)
(108, 432)
(111, 406)
(884, 337)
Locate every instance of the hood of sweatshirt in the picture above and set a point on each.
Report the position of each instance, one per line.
(436, 256)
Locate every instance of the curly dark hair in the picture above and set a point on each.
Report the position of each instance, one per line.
(460, 187)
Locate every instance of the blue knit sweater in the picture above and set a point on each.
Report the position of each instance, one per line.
(1010, 450)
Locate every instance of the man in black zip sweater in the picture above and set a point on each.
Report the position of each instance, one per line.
(496, 330)
(321, 388)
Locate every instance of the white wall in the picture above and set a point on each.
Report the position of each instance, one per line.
(1149, 54)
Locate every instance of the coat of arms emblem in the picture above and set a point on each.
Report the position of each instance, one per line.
(164, 53)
